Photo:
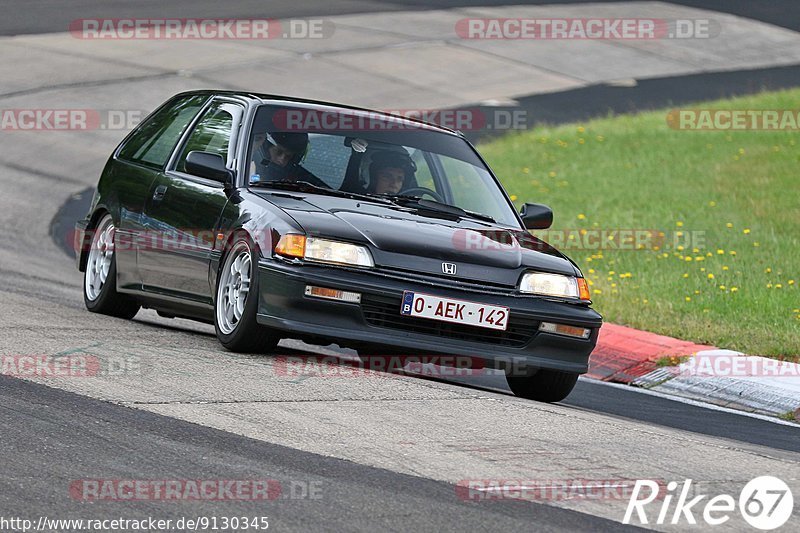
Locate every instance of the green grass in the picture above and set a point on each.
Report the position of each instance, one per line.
(790, 416)
(737, 192)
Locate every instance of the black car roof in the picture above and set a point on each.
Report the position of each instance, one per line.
(264, 98)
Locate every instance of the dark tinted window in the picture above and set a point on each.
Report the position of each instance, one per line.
(153, 141)
(212, 134)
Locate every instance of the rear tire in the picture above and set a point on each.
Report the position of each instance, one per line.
(100, 278)
(544, 386)
(236, 302)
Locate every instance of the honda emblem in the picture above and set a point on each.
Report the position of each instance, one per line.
(449, 269)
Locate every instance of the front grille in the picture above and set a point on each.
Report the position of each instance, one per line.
(383, 311)
(455, 282)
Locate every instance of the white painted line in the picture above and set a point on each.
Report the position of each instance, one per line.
(695, 403)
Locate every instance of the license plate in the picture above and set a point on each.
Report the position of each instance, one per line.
(457, 311)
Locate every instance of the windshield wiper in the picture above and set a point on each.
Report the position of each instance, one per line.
(305, 186)
(413, 202)
(439, 207)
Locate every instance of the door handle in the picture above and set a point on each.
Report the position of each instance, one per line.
(159, 193)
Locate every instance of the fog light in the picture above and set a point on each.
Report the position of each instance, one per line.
(563, 329)
(333, 294)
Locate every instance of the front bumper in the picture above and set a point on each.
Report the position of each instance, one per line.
(377, 321)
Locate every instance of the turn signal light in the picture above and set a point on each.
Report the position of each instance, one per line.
(563, 329)
(584, 289)
(291, 245)
(333, 294)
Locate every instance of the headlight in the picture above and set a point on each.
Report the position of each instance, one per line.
(337, 252)
(554, 285)
(323, 250)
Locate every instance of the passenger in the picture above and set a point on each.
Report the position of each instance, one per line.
(390, 172)
(278, 156)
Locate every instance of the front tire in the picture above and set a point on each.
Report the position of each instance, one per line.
(236, 302)
(544, 386)
(100, 278)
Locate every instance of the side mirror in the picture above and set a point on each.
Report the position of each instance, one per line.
(536, 216)
(208, 165)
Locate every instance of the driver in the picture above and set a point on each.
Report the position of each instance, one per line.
(278, 157)
(390, 172)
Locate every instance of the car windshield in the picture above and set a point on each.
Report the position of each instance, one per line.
(360, 153)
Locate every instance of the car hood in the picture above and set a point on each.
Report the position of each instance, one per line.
(403, 239)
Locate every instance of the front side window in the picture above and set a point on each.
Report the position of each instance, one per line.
(211, 134)
(155, 139)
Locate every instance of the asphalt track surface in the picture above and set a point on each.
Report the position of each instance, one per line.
(602, 100)
(53, 437)
(77, 435)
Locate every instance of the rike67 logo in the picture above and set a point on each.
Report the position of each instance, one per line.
(765, 503)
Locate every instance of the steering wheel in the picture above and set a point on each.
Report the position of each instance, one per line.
(421, 191)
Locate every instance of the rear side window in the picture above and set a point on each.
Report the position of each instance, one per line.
(154, 140)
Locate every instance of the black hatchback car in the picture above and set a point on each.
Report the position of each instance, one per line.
(273, 217)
